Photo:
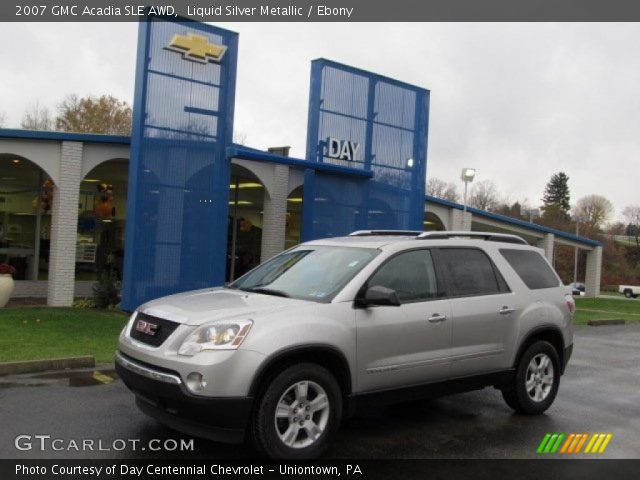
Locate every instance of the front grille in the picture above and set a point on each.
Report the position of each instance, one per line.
(151, 330)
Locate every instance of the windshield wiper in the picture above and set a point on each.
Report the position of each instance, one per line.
(267, 291)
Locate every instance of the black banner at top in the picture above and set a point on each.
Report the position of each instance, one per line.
(325, 10)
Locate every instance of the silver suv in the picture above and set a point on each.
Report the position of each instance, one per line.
(284, 353)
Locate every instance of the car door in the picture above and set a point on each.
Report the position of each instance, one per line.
(407, 344)
(483, 311)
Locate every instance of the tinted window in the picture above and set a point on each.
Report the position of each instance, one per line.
(410, 274)
(532, 268)
(470, 272)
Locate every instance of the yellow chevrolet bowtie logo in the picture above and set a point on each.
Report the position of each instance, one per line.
(197, 48)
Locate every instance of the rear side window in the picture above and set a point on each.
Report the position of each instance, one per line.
(470, 272)
(532, 268)
(410, 274)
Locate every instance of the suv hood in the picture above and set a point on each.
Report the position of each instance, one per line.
(201, 306)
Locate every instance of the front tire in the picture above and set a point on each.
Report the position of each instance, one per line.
(537, 379)
(297, 413)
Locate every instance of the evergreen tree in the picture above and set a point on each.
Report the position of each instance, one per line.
(556, 197)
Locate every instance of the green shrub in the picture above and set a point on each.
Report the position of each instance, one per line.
(106, 292)
(84, 303)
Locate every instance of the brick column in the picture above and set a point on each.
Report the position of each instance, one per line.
(459, 220)
(275, 211)
(64, 226)
(546, 244)
(594, 272)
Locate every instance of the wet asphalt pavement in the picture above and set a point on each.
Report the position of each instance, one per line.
(600, 392)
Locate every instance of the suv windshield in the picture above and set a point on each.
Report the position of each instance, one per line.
(314, 272)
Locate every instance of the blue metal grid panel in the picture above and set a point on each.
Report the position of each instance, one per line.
(389, 122)
(337, 204)
(179, 175)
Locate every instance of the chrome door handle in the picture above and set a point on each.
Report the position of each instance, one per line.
(436, 318)
(506, 310)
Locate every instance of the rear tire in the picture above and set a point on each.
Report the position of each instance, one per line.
(628, 294)
(536, 381)
(297, 413)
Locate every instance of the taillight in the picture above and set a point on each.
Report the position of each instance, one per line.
(571, 304)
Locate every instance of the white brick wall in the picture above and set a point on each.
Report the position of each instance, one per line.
(459, 220)
(39, 289)
(30, 288)
(64, 225)
(275, 211)
(546, 244)
(594, 271)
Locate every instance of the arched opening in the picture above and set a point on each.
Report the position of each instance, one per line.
(293, 224)
(432, 222)
(26, 200)
(244, 241)
(102, 209)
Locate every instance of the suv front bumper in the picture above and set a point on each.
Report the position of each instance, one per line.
(161, 394)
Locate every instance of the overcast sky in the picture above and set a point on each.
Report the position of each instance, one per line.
(516, 101)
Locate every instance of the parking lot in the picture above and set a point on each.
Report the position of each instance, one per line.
(600, 392)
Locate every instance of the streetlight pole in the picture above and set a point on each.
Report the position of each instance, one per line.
(464, 206)
(467, 177)
(575, 254)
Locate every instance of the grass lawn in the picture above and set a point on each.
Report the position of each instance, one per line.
(42, 332)
(38, 333)
(606, 309)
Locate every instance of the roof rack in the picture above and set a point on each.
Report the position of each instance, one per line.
(369, 233)
(488, 236)
(440, 235)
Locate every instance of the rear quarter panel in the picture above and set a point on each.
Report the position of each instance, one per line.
(540, 308)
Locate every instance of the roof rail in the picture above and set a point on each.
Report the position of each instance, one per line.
(488, 236)
(368, 233)
(439, 235)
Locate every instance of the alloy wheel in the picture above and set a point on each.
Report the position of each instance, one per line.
(302, 414)
(539, 378)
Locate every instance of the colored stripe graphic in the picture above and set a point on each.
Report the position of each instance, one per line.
(573, 443)
(543, 443)
(568, 442)
(581, 442)
(556, 445)
(550, 443)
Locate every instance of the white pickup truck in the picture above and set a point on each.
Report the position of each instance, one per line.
(629, 291)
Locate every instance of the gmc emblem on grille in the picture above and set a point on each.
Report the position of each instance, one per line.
(146, 327)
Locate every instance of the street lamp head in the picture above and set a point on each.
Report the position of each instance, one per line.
(468, 174)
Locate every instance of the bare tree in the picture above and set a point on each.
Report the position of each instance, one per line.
(441, 189)
(240, 138)
(484, 195)
(37, 117)
(632, 215)
(105, 114)
(594, 210)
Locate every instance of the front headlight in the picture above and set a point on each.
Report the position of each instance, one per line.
(216, 336)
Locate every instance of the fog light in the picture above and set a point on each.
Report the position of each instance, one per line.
(195, 382)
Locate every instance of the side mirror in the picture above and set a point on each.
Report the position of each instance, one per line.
(379, 295)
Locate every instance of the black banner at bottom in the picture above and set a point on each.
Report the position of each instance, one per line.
(543, 469)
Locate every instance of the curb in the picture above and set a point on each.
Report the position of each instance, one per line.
(34, 366)
(602, 323)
